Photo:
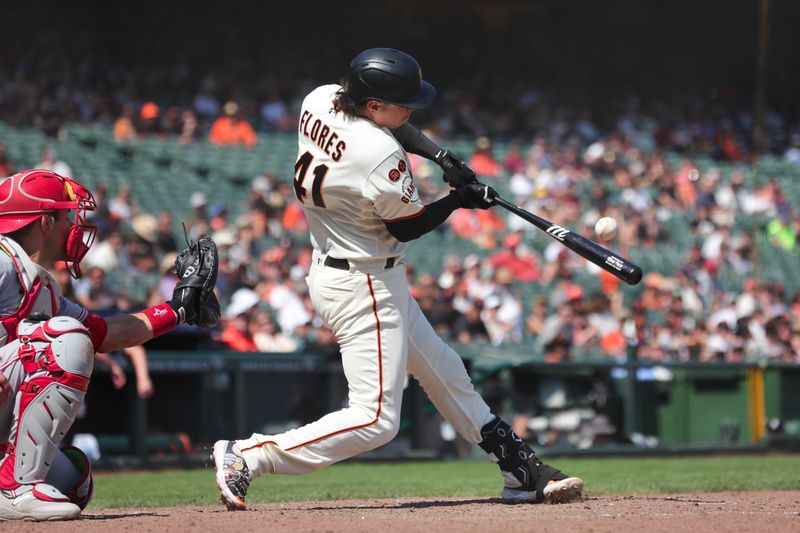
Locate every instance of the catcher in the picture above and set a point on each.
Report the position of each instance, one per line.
(47, 342)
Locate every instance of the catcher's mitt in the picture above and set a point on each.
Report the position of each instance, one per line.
(196, 268)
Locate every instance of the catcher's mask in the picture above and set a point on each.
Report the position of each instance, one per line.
(25, 196)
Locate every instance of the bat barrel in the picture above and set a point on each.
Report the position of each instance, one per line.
(628, 272)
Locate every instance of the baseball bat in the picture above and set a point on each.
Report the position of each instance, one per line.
(600, 256)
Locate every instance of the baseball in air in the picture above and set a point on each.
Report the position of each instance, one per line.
(606, 228)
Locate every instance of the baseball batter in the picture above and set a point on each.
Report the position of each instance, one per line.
(354, 181)
(47, 342)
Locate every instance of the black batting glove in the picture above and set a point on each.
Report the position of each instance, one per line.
(456, 172)
(475, 195)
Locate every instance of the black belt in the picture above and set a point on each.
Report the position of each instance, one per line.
(344, 264)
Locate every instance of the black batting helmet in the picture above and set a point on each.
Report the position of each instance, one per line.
(389, 75)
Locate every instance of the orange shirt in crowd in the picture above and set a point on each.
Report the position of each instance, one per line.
(227, 131)
(124, 130)
(237, 340)
(294, 219)
(484, 165)
(523, 268)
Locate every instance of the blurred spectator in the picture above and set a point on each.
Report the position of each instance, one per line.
(294, 220)
(171, 123)
(502, 313)
(266, 335)
(276, 113)
(108, 254)
(433, 303)
(189, 125)
(218, 215)
(120, 207)
(231, 128)
(236, 333)
(482, 160)
(6, 166)
(50, 161)
(782, 233)
(520, 262)
(145, 226)
(93, 292)
(124, 126)
(149, 123)
(64, 280)
(198, 223)
(290, 311)
(164, 239)
(168, 278)
(468, 326)
(138, 357)
(534, 322)
(260, 189)
(792, 153)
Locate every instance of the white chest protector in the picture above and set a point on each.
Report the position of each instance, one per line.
(40, 293)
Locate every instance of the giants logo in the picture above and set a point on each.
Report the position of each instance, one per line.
(409, 191)
(558, 232)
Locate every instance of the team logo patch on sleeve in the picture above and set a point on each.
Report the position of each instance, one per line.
(409, 191)
(401, 166)
(394, 174)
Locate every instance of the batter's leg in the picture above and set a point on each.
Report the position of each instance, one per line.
(363, 312)
(441, 373)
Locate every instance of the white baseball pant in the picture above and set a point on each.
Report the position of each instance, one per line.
(381, 332)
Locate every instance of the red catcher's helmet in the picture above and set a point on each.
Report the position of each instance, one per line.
(25, 196)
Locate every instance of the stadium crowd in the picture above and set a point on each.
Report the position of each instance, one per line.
(556, 151)
(685, 315)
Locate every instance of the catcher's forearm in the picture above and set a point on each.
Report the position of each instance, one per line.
(416, 142)
(138, 328)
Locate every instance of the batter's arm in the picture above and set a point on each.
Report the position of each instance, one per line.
(415, 142)
(456, 172)
(473, 196)
(430, 217)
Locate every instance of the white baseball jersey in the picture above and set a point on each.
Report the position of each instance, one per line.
(351, 177)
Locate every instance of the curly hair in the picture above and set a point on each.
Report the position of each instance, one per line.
(346, 101)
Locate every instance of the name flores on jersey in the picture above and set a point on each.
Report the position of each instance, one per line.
(322, 135)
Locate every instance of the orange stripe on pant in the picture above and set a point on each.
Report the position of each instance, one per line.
(380, 386)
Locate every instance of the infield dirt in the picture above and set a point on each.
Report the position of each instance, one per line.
(773, 511)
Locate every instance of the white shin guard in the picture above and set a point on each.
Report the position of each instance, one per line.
(58, 358)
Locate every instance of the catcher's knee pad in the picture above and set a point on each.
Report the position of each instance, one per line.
(57, 356)
(70, 345)
(71, 474)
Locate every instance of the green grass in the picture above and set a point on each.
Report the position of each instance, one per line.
(454, 479)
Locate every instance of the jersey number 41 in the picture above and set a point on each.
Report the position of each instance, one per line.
(300, 170)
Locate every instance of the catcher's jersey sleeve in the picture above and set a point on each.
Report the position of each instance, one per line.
(350, 177)
(11, 291)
